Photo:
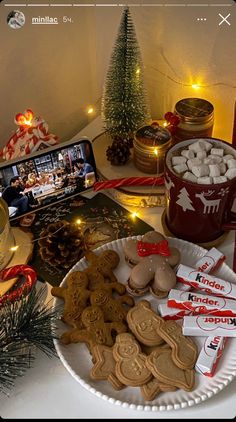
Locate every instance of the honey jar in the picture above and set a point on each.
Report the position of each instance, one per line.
(196, 119)
(150, 145)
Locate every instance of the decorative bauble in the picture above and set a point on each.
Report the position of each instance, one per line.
(61, 244)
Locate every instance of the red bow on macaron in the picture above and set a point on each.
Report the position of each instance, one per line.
(146, 248)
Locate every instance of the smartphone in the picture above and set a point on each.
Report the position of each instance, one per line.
(44, 177)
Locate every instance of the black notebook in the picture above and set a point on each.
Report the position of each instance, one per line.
(102, 221)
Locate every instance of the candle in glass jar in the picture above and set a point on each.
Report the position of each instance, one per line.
(150, 145)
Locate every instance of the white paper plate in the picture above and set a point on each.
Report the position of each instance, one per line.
(77, 360)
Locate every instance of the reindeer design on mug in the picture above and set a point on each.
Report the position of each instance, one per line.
(210, 205)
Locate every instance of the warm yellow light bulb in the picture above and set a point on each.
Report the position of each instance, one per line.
(137, 71)
(90, 110)
(195, 86)
(156, 151)
(78, 221)
(134, 214)
(14, 248)
(165, 124)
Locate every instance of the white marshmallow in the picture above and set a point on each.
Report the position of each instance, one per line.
(217, 151)
(197, 146)
(207, 144)
(194, 162)
(180, 168)
(214, 170)
(188, 154)
(220, 179)
(201, 170)
(216, 159)
(190, 177)
(231, 173)
(201, 154)
(204, 180)
(228, 157)
(231, 164)
(222, 168)
(178, 160)
(208, 161)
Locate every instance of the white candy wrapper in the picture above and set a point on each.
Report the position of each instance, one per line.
(208, 283)
(207, 264)
(209, 355)
(201, 304)
(206, 326)
(171, 313)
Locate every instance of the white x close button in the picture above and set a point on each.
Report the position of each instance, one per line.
(224, 19)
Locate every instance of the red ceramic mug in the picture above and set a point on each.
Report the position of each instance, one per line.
(195, 212)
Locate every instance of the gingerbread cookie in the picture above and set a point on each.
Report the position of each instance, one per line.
(184, 350)
(104, 366)
(152, 260)
(113, 309)
(130, 361)
(104, 264)
(153, 388)
(76, 297)
(144, 324)
(96, 330)
(167, 372)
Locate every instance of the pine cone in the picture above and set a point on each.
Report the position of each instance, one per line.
(61, 244)
(118, 152)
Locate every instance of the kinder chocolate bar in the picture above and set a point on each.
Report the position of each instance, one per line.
(205, 325)
(201, 304)
(211, 261)
(208, 283)
(207, 264)
(209, 355)
(171, 313)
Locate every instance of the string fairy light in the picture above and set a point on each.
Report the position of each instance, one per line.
(195, 86)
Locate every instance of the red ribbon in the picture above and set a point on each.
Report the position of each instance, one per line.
(146, 248)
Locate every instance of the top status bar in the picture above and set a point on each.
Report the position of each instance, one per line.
(117, 4)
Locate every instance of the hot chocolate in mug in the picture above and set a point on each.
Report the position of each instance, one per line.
(199, 213)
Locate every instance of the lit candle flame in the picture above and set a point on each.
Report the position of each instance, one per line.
(90, 110)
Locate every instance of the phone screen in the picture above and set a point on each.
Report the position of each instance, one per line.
(55, 56)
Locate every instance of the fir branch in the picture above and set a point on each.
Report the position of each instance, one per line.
(25, 325)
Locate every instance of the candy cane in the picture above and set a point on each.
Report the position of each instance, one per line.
(18, 270)
(129, 181)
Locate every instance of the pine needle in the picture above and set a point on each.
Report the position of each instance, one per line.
(25, 325)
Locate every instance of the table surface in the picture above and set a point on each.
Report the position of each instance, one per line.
(47, 390)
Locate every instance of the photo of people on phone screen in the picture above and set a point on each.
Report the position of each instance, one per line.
(39, 181)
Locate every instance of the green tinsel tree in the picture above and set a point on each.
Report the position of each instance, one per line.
(124, 102)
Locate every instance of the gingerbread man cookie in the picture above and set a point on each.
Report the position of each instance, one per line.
(152, 260)
(76, 297)
(96, 330)
(113, 309)
(103, 264)
(130, 361)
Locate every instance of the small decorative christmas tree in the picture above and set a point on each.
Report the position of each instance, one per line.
(124, 105)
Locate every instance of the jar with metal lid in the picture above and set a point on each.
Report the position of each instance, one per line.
(150, 145)
(196, 119)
